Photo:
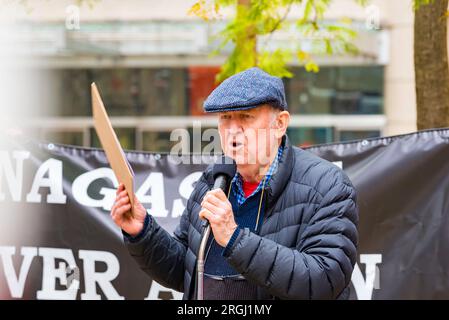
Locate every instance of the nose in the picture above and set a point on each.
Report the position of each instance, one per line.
(234, 127)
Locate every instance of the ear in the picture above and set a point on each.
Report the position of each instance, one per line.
(282, 121)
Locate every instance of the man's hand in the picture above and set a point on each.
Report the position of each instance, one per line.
(121, 215)
(218, 210)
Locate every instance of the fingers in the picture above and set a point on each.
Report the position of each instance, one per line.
(206, 214)
(215, 205)
(122, 194)
(123, 200)
(219, 194)
(213, 208)
(121, 205)
(120, 188)
(212, 199)
(216, 198)
(120, 211)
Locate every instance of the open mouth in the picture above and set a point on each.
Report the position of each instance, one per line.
(235, 144)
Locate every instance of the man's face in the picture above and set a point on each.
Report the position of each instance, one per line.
(247, 136)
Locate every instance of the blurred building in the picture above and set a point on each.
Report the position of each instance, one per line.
(152, 64)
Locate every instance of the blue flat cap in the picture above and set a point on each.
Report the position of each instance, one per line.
(245, 90)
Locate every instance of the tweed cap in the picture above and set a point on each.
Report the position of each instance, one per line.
(245, 90)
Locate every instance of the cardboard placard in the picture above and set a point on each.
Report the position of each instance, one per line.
(111, 144)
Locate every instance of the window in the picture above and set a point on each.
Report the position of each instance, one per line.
(304, 137)
(125, 91)
(74, 93)
(119, 89)
(126, 137)
(157, 141)
(164, 92)
(133, 95)
(336, 90)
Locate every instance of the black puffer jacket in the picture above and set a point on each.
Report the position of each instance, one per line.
(306, 248)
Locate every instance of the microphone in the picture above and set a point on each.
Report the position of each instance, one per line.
(223, 171)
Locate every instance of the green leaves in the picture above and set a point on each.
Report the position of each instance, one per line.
(419, 3)
(275, 62)
(255, 21)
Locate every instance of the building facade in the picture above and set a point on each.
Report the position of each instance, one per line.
(153, 65)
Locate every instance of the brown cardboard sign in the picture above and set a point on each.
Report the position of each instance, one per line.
(111, 144)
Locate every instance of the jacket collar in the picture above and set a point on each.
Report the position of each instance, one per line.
(282, 175)
(278, 180)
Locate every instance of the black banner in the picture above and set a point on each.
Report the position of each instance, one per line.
(57, 240)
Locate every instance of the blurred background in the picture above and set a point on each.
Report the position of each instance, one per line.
(379, 68)
(152, 62)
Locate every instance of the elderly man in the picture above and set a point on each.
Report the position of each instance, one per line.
(287, 227)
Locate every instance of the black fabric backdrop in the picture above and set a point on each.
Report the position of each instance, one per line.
(403, 197)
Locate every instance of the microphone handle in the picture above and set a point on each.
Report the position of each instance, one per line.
(220, 182)
(201, 263)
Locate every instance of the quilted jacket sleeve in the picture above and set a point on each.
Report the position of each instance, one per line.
(161, 255)
(321, 265)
